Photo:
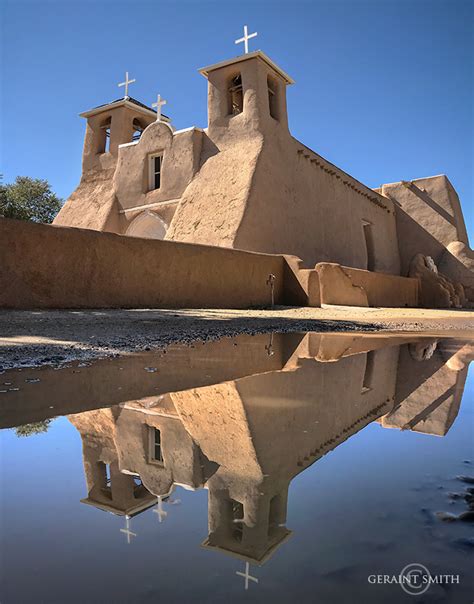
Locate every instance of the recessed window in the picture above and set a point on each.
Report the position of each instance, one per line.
(157, 451)
(238, 520)
(272, 87)
(104, 137)
(369, 371)
(154, 171)
(369, 244)
(236, 97)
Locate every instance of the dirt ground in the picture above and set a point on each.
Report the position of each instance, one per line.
(35, 338)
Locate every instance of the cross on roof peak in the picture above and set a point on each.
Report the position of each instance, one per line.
(126, 84)
(159, 104)
(245, 39)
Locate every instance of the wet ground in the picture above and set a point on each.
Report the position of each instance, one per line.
(308, 467)
(54, 337)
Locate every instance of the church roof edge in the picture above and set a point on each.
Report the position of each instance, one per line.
(251, 55)
(127, 101)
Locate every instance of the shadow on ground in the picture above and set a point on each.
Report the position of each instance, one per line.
(34, 338)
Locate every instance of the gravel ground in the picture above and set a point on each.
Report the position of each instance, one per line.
(36, 338)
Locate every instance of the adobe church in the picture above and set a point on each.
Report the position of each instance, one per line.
(245, 182)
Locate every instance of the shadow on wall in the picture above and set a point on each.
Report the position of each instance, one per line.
(433, 291)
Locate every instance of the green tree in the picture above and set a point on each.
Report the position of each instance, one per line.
(30, 429)
(29, 199)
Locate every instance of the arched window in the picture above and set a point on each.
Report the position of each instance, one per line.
(235, 94)
(272, 86)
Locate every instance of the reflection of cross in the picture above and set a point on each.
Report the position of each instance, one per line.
(269, 346)
(247, 576)
(159, 509)
(127, 530)
(246, 39)
(126, 83)
(159, 104)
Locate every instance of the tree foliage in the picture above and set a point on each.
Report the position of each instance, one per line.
(30, 429)
(29, 199)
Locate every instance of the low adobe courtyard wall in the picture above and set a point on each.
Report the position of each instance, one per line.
(45, 266)
(346, 286)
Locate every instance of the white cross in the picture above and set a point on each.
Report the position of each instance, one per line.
(246, 575)
(126, 83)
(246, 39)
(127, 530)
(159, 104)
(159, 510)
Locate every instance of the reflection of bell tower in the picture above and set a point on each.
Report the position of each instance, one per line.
(252, 529)
(111, 490)
(108, 488)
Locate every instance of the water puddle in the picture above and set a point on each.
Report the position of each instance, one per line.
(276, 467)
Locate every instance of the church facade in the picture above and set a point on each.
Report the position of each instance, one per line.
(245, 182)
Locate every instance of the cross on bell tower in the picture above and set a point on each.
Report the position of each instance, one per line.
(126, 84)
(246, 39)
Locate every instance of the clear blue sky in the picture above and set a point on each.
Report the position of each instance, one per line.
(384, 88)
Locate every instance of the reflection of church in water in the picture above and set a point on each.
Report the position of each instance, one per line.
(245, 439)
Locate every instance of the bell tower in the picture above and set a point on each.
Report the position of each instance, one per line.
(246, 92)
(111, 125)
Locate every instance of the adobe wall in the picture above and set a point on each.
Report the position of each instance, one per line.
(45, 266)
(430, 222)
(303, 205)
(92, 205)
(213, 205)
(346, 286)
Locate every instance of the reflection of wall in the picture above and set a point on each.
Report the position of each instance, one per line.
(110, 382)
(429, 391)
(183, 462)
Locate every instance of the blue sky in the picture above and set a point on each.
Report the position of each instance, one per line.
(384, 89)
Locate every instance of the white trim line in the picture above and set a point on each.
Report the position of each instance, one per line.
(398, 182)
(188, 129)
(184, 486)
(150, 411)
(149, 205)
(173, 131)
(128, 144)
(123, 103)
